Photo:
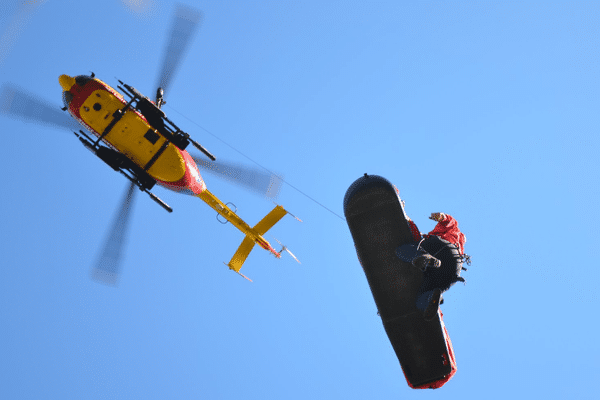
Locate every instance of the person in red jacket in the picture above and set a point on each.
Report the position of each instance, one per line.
(440, 255)
(447, 229)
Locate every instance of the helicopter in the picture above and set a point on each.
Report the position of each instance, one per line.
(132, 135)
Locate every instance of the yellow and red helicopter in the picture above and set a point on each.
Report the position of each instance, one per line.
(132, 135)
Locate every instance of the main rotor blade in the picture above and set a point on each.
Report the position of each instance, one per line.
(16, 26)
(16, 103)
(184, 25)
(109, 263)
(252, 179)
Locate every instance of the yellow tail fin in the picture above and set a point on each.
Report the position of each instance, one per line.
(269, 220)
(241, 254)
(253, 236)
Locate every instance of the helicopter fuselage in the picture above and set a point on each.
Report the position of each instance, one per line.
(106, 113)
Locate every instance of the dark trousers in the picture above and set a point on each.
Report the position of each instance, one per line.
(449, 272)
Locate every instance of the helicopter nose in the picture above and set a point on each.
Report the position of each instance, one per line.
(66, 82)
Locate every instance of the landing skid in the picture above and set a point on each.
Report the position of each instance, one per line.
(119, 162)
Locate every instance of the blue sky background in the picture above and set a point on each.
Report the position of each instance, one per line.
(485, 110)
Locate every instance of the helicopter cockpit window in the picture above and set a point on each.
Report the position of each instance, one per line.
(67, 97)
(82, 79)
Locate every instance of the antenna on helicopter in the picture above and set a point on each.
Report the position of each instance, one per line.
(159, 97)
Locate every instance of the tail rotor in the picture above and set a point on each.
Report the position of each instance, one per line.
(284, 248)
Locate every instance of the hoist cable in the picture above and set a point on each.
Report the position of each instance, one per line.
(266, 169)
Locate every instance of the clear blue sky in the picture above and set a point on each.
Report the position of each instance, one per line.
(484, 110)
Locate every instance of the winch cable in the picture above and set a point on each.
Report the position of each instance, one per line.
(250, 159)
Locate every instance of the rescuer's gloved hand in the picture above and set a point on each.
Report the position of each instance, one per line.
(437, 216)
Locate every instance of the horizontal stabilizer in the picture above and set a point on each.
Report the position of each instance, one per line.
(269, 220)
(241, 254)
(253, 236)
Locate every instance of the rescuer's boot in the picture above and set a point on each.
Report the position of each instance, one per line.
(425, 261)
